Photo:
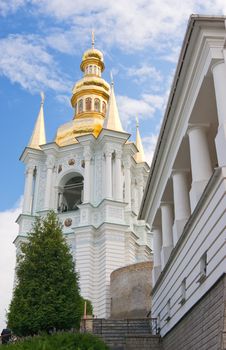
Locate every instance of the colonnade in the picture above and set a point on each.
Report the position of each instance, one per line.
(174, 215)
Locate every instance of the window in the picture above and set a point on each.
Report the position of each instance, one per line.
(95, 69)
(183, 291)
(80, 106)
(75, 108)
(203, 268)
(168, 311)
(103, 107)
(90, 69)
(158, 323)
(88, 104)
(97, 105)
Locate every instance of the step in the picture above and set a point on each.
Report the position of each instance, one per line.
(132, 334)
(144, 342)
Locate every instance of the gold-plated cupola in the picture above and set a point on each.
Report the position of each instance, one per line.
(89, 100)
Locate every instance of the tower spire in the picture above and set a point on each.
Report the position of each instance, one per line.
(112, 120)
(139, 156)
(38, 136)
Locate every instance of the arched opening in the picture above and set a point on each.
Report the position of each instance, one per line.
(71, 194)
(103, 107)
(97, 105)
(88, 104)
(80, 106)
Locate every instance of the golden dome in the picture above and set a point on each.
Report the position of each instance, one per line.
(92, 56)
(89, 100)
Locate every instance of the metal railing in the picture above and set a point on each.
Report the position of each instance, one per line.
(126, 326)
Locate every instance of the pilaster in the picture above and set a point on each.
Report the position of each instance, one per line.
(49, 165)
(28, 188)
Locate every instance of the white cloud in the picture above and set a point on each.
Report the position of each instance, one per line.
(144, 108)
(145, 72)
(65, 99)
(10, 6)
(8, 232)
(131, 25)
(149, 144)
(173, 55)
(25, 60)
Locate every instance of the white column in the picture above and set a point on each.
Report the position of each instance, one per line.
(182, 209)
(103, 175)
(87, 187)
(49, 187)
(53, 196)
(127, 170)
(139, 190)
(118, 175)
(108, 175)
(157, 246)
(200, 162)
(167, 231)
(28, 190)
(133, 195)
(219, 76)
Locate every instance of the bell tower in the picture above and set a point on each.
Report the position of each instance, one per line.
(92, 177)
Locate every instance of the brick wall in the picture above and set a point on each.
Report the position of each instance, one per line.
(204, 327)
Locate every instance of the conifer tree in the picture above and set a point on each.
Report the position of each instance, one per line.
(46, 295)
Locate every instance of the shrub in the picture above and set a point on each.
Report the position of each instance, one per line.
(61, 341)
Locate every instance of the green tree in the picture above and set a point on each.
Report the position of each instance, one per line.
(47, 294)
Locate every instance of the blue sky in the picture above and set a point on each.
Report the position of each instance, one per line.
(41, 45)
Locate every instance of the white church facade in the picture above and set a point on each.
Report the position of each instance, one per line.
(93, 177)
(185, 197)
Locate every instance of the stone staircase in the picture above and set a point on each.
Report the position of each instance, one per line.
(132, 334)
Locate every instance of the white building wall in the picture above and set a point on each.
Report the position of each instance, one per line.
(102, 233)
(194, 121)
(205, 233)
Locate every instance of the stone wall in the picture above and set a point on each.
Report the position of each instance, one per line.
(145, 342)
(130, 291)
(204, 326)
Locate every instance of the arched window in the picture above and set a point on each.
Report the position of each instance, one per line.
(90, 69)
(75, 108)
(71, 195)
(86, 70)
(88, 104)
(103, 107)
(97, 105)
(80, 106)
(95, 69)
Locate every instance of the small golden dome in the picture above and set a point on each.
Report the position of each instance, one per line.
(92, 55)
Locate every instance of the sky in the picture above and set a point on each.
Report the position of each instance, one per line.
(41, 45)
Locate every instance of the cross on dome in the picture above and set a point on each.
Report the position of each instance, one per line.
(93, 39)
